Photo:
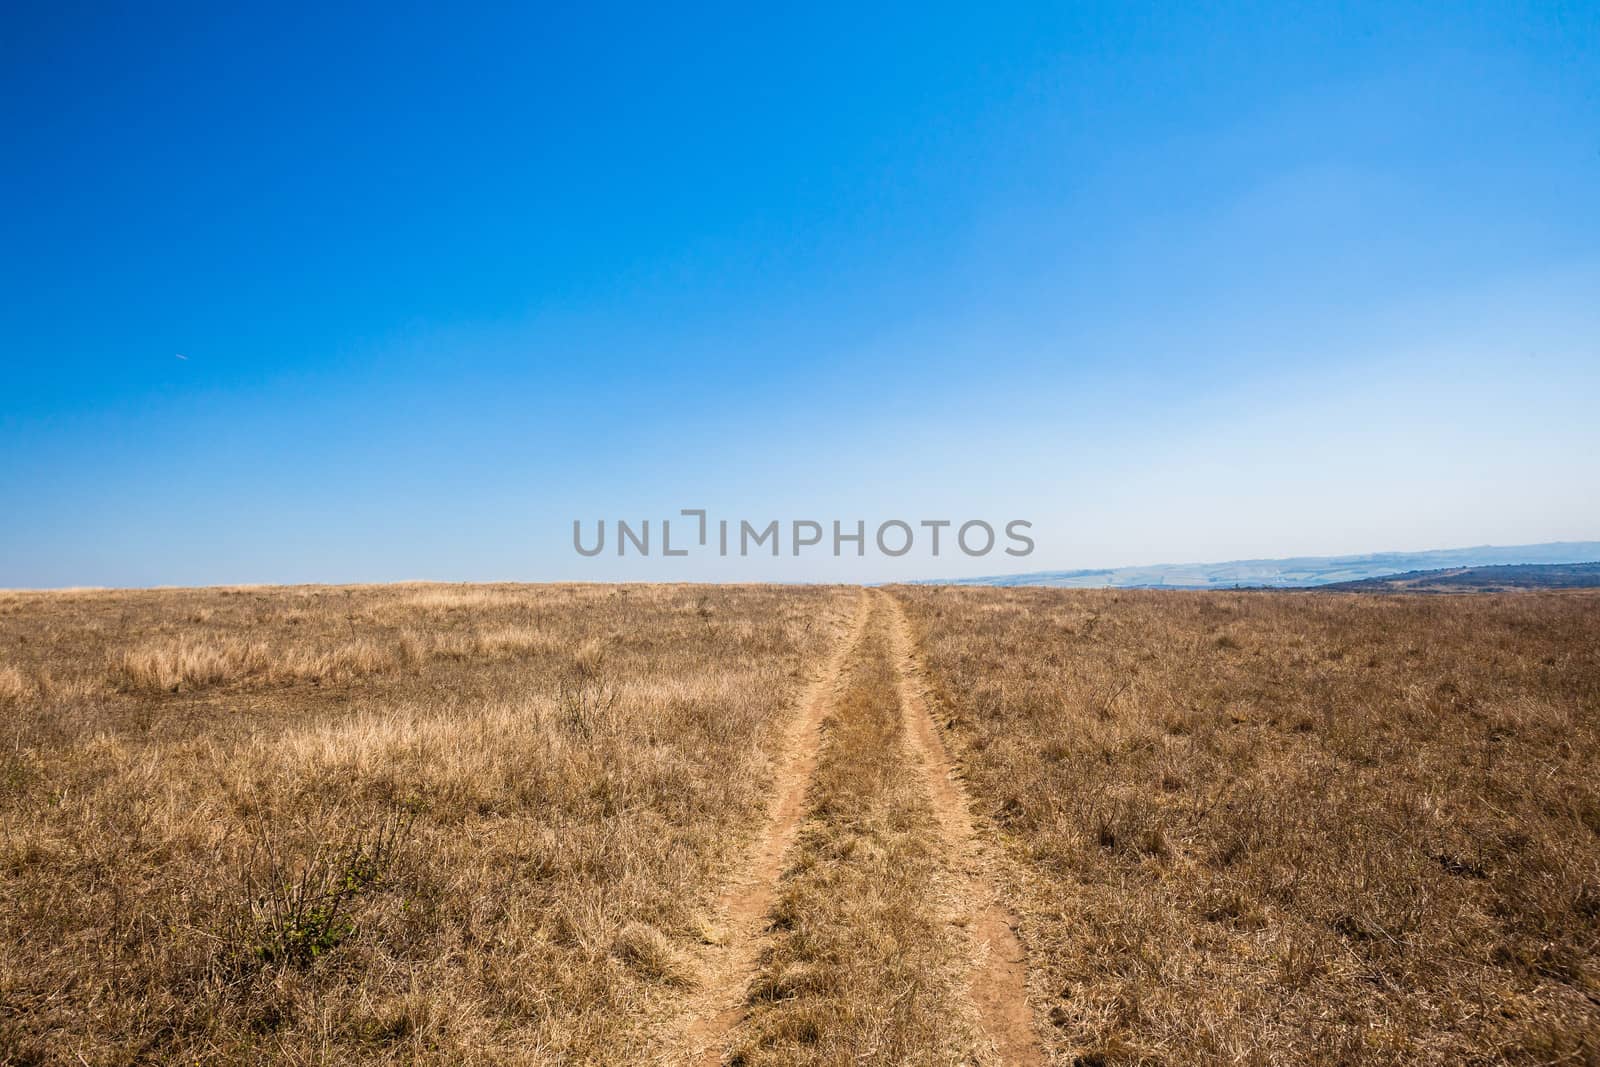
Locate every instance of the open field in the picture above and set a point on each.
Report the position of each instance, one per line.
(797, 825)
(403, 824)
(1271, 828)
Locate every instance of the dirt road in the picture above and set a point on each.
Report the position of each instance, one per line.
(869, 879)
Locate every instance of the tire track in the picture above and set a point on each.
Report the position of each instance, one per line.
(995, 987)
(998, 986)
(720, 1004)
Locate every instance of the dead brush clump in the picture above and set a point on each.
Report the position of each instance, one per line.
(201, 875)
(585, 697)
(1341, 828)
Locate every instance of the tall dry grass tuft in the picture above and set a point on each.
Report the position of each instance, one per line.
(15, 689)
(198, 662)
(191, 663)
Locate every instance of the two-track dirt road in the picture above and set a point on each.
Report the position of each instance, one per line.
(869, 842)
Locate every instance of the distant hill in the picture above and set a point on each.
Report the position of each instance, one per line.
(1297, 572)
(1480, 579)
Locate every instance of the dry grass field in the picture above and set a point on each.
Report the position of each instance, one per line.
(1266, 828)
(797, 825)
(457, 825)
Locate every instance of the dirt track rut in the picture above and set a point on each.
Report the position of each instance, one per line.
(996, 983)
(747, 899)
(999, 978)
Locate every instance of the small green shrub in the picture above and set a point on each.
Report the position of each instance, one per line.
(296, 918)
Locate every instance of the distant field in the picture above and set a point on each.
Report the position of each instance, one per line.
(1481, 579)
(797, 825)
(1297, 572)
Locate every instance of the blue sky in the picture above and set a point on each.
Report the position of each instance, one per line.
(1171, 284)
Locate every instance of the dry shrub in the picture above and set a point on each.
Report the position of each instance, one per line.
(301, 911)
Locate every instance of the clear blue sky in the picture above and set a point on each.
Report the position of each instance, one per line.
(1171, 283)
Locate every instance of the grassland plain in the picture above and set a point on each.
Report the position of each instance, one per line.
(1275, 828)
(790, 825)
(404, 824)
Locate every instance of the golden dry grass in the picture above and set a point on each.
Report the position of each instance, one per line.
(400, 824)
(14, 688)
(496, 824)
(1262, 828)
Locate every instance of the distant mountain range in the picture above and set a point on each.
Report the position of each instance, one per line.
(1296, 572)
